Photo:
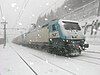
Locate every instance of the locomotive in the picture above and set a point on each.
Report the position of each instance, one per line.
(62, 37)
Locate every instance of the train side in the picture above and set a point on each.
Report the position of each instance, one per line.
(38, 37)
(18, 40)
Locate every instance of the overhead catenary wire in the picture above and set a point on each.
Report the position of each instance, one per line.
(54, 4)
(1, 11)
(2, 15)
(25, 4)
(25, 61)
(21, 11)
(77, 9)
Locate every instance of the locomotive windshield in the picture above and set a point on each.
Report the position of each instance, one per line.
(71, 25)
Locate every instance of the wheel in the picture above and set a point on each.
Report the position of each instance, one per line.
(50, 49)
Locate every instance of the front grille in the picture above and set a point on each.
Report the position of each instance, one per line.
(76, 41)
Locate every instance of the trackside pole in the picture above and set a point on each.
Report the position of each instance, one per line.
(4, 23)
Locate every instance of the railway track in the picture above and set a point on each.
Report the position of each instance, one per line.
(88, 61)
(92, 57)
(85, 59)
(34, 72)
(43, 60)
(92, 52)
(54, 65)
(79, 59)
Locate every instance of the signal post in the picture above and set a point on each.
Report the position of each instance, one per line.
(4, 23)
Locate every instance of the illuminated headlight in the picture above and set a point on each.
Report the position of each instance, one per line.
(83, 40)
(50, 39)
(73, 42)
(66, 40)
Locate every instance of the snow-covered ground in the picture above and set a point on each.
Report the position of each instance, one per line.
(11, 64)
(44, 63)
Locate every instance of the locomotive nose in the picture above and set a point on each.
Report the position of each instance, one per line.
(74, 35)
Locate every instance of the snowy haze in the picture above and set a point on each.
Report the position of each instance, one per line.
(30, 13)
(21, 13)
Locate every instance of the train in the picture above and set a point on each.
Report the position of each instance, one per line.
(62, 37)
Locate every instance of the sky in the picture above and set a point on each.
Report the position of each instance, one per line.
(12, 8)
(22, 13)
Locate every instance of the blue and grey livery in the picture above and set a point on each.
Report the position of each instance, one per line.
(62, 37)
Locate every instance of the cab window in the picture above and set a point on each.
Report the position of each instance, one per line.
(54, 28)
(71, 26)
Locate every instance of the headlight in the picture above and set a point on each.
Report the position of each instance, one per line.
(50, 39)
(66, 40)
(83, 40)
(73, 42)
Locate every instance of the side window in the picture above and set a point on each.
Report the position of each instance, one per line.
(53, 27)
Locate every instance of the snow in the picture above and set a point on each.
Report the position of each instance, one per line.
(44, 63)
(11, 64)
(95, 48)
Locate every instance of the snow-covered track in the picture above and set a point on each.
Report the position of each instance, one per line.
(92, 57)
(34, 72)
(92, 52)
(55, 65)
(88, 61)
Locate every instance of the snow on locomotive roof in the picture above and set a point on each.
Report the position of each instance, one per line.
(65, 20)
(69, 20)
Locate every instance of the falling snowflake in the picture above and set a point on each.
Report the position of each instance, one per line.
(99, 28)
(17, 7)
(31, 63)
(3, 18)
(94, 30)
(38, 35)
(77, 69)
(20, 23)
(33, 15)
(46, 61)
(69, 58)
(40, 6)
(47, 3)
(39, 27)
(46, 19)
(70, 9)
(65, 6)
(13, 5)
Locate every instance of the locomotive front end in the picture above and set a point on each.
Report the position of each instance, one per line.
(73, 38)
(66, 38)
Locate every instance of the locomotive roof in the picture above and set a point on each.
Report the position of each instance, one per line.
(65, 20)
(58, 20)
(69, 20)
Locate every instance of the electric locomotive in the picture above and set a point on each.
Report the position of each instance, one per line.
(62, 37)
